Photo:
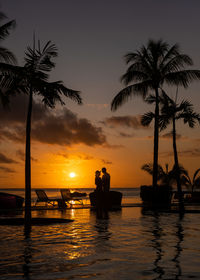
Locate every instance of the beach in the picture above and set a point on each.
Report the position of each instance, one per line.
(130, 244)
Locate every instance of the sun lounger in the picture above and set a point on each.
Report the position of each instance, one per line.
(42, 197)
(68, 197)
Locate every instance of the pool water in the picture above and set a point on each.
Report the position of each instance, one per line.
(128, 245)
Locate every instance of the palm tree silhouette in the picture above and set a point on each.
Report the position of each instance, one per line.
(7, 58)
(191, 183)
(151, 67)
(170, 113)
(33, 79)
(165, 176)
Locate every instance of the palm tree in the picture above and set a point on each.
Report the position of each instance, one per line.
(6, 56)
(193, 183)
(32, 79)
(165, 176)
(151, 67)
(170, 113)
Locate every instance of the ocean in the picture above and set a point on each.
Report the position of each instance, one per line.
(130, 244)
(130, 195)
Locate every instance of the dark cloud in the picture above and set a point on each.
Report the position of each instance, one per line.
(125, 121)
(169, 136)
(6, 169)
(186, 153)
(190, 153)
(48, 127)
(5, 159)
(112, 146)
(85, 157)
(79, 156)
(106, 161)
(21, 155)
(67, 129)
(126, 135)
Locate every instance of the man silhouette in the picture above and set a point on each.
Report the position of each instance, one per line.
(106, 188)
(105, 180)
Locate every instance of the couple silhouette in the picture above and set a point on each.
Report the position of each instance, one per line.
(102, 192)
(102, 183)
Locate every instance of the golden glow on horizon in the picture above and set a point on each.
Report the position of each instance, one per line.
(72, 174)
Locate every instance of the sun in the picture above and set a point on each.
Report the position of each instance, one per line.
(72, 174)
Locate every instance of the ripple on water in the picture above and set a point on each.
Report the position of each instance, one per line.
(128, 245)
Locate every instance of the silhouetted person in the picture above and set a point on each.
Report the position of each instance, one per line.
(98, 181)
(106, 189)
(99, 194)
(105, 180)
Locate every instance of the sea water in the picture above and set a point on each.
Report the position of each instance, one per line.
(130, 244)
(130, 195)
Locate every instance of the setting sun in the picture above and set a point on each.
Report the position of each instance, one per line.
(72, 174)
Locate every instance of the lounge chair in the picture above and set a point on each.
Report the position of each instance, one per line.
(68, 197)
(42, 197)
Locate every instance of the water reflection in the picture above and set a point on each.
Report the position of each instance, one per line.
(102, 228)
(27, 258)
(180, 237)
(165, 237)
(157, 241)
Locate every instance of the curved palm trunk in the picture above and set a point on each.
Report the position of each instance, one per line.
(156, 135)
(28, 163)
(176, 163)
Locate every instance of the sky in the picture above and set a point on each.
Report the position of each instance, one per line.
(92, 38)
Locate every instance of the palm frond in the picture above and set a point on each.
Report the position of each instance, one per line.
(129, 57)
(148, 167)
(182, 78)
(52, 92)
(5, 29)
(195, 174)
(176, 63)
(139, 89)
(197, 183)
(147, 118)
(7, 56)
(164, 121)
(134, 73)
(150, 99)
(40, 60)
(173, 51)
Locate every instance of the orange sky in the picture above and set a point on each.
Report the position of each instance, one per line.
(123, 148)
(92, 40)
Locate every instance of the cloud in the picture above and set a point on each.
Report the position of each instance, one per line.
(190, 153)
(5, 159)
(114, 146)
(186, 153)
(85, 157)
(106, 161)
(78, 156)
(126, 135)
(169, 136)
(125, 121)
(6, 169)
(48, 126)
(67, 129)
(21, 156)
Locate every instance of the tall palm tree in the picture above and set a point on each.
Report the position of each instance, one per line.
(7, 58)
(151, 67)
(32, 79)
(191, 183)
(170, 113)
